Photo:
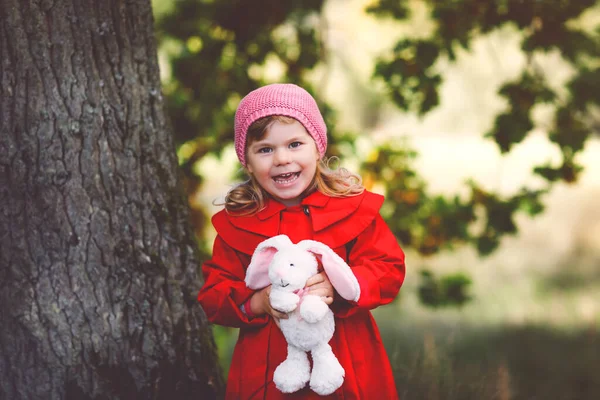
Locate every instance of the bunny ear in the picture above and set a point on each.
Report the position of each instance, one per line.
(257, 274)
(339, 273)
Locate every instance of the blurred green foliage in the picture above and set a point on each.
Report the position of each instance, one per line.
(218, 51)
(450, 290)
(413, 80)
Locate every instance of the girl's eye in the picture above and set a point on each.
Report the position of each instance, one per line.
(264, 150)
(293, 145)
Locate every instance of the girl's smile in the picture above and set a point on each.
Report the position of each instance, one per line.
(284, 161)
(286, 179)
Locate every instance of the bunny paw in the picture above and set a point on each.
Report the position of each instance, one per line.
(325, 380)
(283, 301)
(313, 309)
(292, 374)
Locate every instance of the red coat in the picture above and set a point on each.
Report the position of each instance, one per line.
(353, 228)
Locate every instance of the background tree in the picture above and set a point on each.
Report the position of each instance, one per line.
(98, 264)
(218, 52)
(412, 77)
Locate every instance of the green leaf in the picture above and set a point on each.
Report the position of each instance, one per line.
(450, 290)
(397, 9)
(510, 128)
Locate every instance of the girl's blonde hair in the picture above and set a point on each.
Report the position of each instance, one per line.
(248, 197)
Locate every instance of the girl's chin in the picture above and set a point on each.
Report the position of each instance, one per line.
(288, 197)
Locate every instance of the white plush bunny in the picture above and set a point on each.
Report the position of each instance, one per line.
(287, 266)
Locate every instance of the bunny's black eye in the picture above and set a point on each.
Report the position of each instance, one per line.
(291, 265)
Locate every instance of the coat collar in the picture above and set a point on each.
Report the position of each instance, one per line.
(266, 221)
(324, 212)
(329, 217)
(272, 207)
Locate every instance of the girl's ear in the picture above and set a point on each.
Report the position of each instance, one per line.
(339, 273)
(257, 273)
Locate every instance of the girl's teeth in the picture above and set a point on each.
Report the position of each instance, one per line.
(285, 178)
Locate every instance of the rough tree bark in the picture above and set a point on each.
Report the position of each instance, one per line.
(98, 263)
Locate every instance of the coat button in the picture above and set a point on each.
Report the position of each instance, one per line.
(305, 209)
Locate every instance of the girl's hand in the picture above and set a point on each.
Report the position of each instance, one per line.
(260, 304)
(319, 285)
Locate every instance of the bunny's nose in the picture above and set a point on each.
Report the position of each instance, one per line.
(279, 273)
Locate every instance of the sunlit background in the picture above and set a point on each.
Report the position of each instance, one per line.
(528, 324)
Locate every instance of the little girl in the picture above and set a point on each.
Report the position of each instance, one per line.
(280, 139)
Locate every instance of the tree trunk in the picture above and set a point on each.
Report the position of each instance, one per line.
(98, 262)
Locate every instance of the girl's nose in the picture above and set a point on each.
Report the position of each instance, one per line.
(282, 156)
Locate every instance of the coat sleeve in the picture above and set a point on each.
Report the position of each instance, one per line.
(378, 264)
(224, 289)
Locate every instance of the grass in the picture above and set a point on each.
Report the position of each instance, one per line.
(521, 339)
(528, 362)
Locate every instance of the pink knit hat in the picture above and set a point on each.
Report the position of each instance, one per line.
(279, 99)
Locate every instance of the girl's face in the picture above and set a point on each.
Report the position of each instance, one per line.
(284, 161)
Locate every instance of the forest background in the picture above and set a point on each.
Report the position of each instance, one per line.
(478, 120)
